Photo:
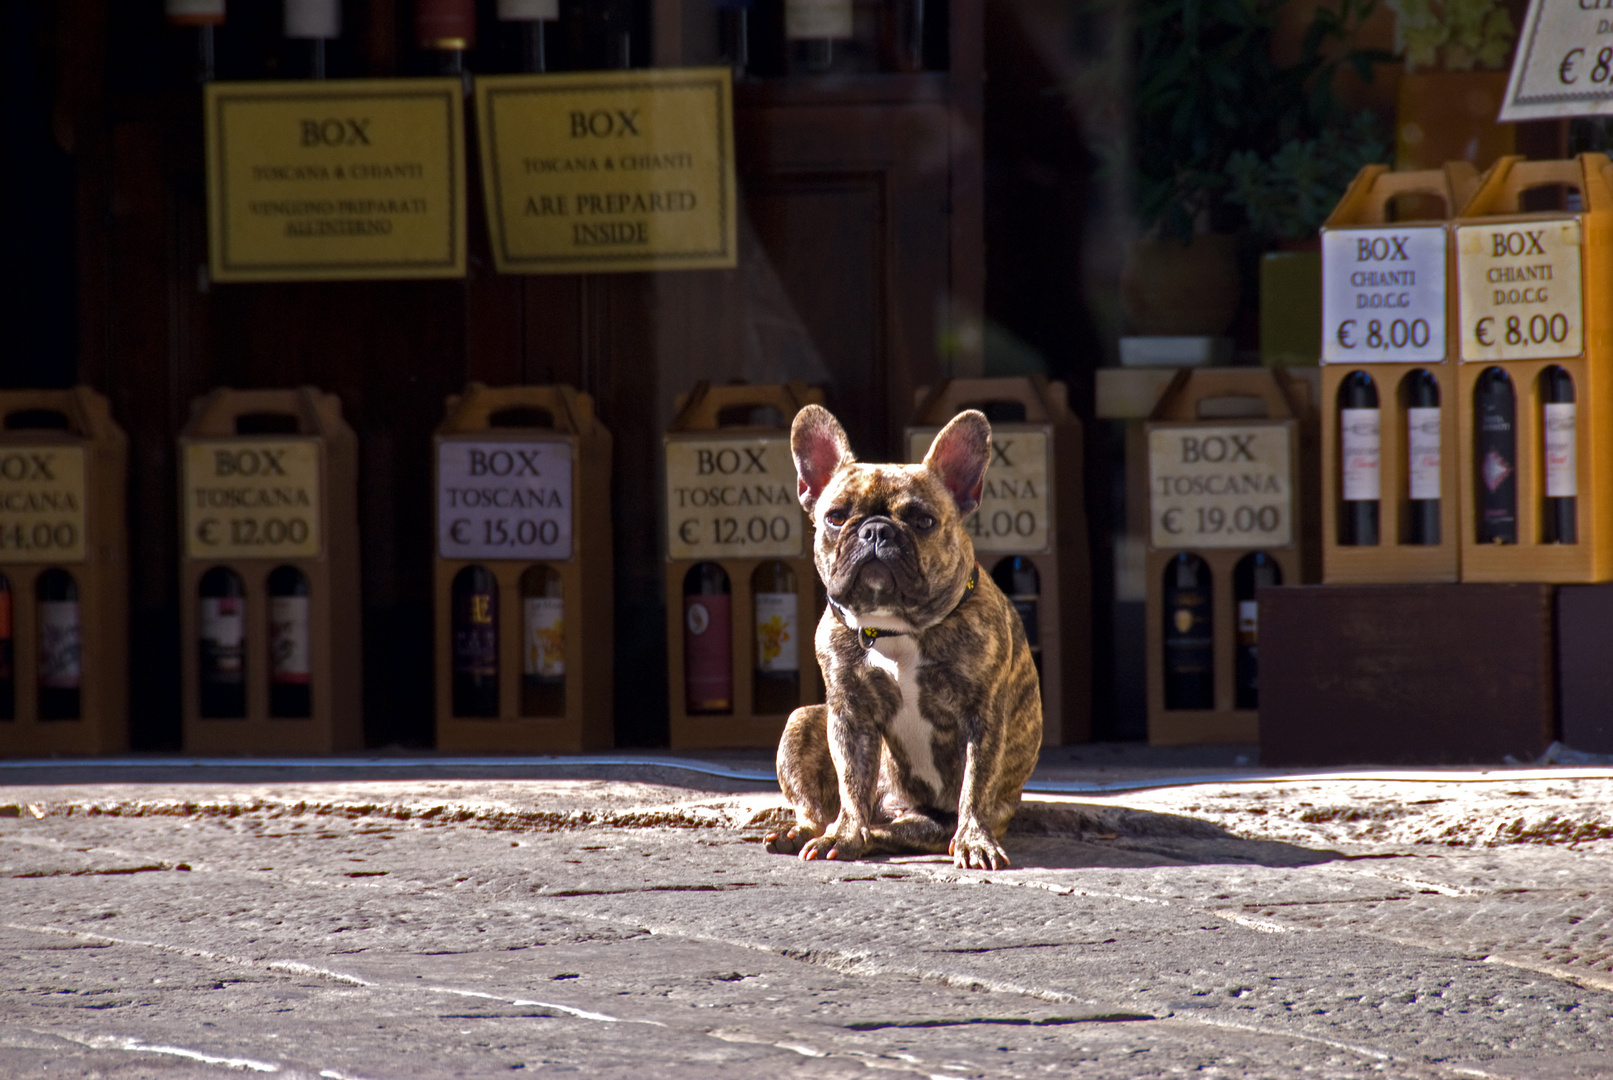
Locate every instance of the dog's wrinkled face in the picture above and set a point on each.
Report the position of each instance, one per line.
(890, 544)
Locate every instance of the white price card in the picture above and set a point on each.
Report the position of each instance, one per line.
(1014, 510)
(1520, 290)
(1383, 295)
(1220, 487)
(1563, 64)
(732, 498)
(509, 499)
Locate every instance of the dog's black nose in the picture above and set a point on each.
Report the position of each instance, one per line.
(877, 532)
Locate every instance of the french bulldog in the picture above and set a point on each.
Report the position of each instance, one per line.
(934, 713)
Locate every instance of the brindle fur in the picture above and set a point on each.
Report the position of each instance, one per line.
(852, 769)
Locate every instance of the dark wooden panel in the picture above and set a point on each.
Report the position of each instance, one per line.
(1585, 673)
(1406, 674)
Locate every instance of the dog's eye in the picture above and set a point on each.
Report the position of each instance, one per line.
(924, 521)
(836, 518)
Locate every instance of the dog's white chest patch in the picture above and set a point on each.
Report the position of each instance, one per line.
(898, 657)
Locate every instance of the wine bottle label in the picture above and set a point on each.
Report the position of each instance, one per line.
(288, 639)
(707, 658)
(313, 19)
(817, 19)
(1562, 480)
(60, 648)
(194, 12)
(224, 631)
(1189, 647)
(545, 650)
(1358, 437)
(1248, 622)
(1494, 470)
(778, 632)
(5, 615)
(475, 634)
(528, 10)
(1422, 451)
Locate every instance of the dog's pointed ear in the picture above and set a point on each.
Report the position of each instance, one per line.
(820, 447)
(959, 456)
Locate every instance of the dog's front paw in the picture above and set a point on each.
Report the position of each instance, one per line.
(973, 848)
(845, 843)
(789, 841)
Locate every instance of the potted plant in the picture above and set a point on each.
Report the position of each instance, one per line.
(1455, 53)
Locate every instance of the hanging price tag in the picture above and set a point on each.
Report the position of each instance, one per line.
(1520, 290)
(1563, 65)
(1383, 295)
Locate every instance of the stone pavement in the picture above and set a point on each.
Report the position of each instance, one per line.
(1442, 925)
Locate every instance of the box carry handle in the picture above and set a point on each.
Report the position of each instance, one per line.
(1045, 402)
(700, 408)
(214, 415)
(1511, 176)
(1366, 201)
(473, 410)
(87, 414)
(1181, 398)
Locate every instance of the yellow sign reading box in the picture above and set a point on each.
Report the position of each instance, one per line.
(347, 179)
(609, 171)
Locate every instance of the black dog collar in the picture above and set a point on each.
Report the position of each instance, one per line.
(868, 634)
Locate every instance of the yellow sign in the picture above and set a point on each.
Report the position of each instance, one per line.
(609, 171)
(41, 504)
(1520, 290)
(251, 499)
(335, 180)
(732, 499)
(1220, 487)
(1013, 514)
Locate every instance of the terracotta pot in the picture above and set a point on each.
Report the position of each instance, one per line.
(1176, 289)
(1450, 116)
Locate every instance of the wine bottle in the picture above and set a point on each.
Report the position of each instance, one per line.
(448, 28)
(901, 35)
(221, 645)
(474, 625)
(1187, 608)
(817, 35)
(290, 660)
(733, 34)
(543, 664)
(776, 681)
(530, 17)
(313, 22)
(1017, 577)
(1256, 570)
(611, 21)
(1560, 524)
(1495, 456)
(708, 662)
(8, 654)
(1359, 463)
(61, 671)
(205, 16)
(1422, 458)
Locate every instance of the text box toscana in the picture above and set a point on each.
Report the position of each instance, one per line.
(42, 504)
(509, 499)
(1013, 514)
(732, 499)
(251, 499)
(1220, 487)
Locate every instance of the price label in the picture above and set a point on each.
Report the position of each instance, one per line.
(1519, 288)
(251, 499)
(1013, 514)
(509, 499)
(1563, 65)
(1220, 487)
(41, 504)
(732, 498)
(1383, 295)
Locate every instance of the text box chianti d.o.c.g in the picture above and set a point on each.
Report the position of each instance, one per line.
(504, 500)
(256, 499)
(1521, 290)
(732, 499)
(1383, 295)
(1220, 487)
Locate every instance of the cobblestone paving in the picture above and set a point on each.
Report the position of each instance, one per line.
(371, 931)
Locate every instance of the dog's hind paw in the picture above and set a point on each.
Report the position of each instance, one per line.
(789, 841)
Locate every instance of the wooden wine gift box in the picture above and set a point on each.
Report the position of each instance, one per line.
(1390, 303)
(1230, 455)
(63, 466)
(731, 500)
(269, 478)
(1032, 507)
(522, 475)
(1535, 290)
